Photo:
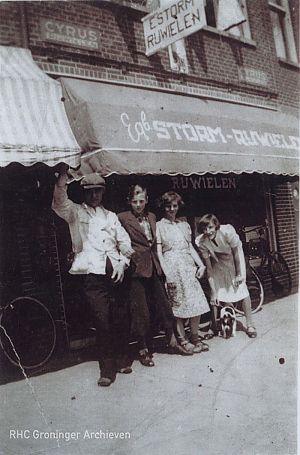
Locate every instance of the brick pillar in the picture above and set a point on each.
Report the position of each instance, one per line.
(286, 227)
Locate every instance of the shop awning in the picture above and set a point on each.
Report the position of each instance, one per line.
(128, 130)
(33, 123)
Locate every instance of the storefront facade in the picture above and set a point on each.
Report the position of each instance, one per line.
(224, 134)
(222, 157)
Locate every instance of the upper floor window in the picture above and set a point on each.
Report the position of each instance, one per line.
(213, 12)
(135, 4)
(283, 30)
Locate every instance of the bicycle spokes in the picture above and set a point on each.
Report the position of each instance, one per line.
(280, 275)
(256, 291)
(30, 335)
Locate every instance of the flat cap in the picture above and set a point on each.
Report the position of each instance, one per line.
(93, 180)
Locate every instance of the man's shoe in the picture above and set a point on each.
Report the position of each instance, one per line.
(126, 370)
(177, 349)
(146, 359)
(104, 382)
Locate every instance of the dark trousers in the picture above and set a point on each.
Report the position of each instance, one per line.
(148, 302)
(110, 313)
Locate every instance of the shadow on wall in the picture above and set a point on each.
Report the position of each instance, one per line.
(196, 50)
(126, 27)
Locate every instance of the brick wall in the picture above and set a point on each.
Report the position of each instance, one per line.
(10, 24)
(286, 226)
(214, 59)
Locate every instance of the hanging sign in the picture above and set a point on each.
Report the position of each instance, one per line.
(164, 26)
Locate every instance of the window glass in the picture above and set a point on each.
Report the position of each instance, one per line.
(282, 30)
(211, 11)
(278, 35)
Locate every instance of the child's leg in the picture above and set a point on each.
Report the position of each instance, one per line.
(189, 347)
(194, 325)
(180, 328)
(214, 309)
(251, 331)
(246, 305)
(199, 346)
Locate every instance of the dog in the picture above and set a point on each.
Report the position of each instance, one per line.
(228, 321)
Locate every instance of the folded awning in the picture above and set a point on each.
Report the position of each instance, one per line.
(128, 130)
(33, 123)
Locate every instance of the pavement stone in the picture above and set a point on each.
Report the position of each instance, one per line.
(240, 398)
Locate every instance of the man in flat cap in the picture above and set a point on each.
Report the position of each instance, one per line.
(102, 250)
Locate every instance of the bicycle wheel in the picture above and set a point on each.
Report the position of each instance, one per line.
(28, 332)
(256, 292)
(281, 280)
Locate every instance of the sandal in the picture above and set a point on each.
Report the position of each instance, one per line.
(187, 346)
(199, 346)
(251, 332)
(207, 336)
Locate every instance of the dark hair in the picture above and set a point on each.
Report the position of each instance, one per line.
(205, 220)
(134, 190)
(169, 197)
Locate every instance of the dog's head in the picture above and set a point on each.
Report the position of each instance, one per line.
(228, 319)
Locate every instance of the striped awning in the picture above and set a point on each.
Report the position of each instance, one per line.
(33, 123)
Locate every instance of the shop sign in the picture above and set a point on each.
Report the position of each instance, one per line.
(70, 34)
(253, 76)
(143, 129)
(202, 182)
(168, 24)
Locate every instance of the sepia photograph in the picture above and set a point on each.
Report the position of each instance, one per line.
(149, 227)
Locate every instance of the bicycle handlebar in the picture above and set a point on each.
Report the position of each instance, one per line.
(262, 231)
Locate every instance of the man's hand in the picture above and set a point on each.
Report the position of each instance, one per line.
(66, 175)
(200, 271)
(118, 272)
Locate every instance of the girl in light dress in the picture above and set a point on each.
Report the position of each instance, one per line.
(183, 268)
(221, 249)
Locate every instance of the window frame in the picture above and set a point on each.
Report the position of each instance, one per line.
(244, 28)
(284, 16)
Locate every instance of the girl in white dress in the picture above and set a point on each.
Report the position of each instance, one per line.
(182, 267)
(221, 249)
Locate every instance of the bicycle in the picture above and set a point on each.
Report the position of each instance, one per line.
(255, 288)
(27, 332)
(278, 270)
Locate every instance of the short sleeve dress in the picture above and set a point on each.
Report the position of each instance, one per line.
(187, 299)
(220, 253)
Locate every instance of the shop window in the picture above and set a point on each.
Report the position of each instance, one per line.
(212, 10)
(141, 5)
(283, 30)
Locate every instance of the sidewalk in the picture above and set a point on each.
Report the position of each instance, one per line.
(240, 398)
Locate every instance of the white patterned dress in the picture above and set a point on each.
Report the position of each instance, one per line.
(187, 299)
